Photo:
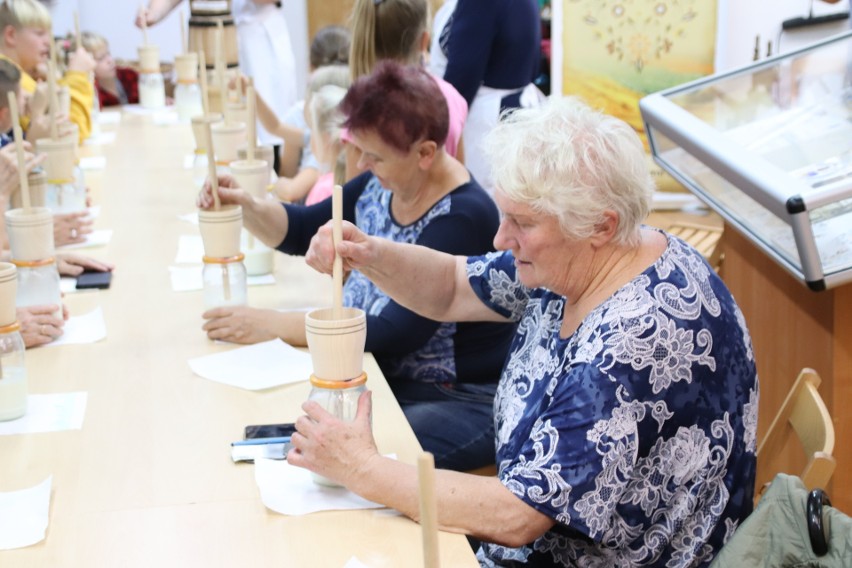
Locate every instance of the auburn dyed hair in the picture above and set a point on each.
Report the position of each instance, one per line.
(401, 103)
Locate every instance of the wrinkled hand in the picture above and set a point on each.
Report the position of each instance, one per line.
(39, 324)
(147, 17)
(40, 127)
(69, 228)
(240, 82)
(331, 447)
(239, 324)
(81, 60)
(37, 102)
(357, 249)
(9, 178)
(72, 264)
(230, 193)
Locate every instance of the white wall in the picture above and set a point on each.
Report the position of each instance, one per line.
(741, 21)
(113, 19)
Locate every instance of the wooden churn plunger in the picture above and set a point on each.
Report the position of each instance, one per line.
(199, 124)
(428, 509)
(220, 232)
(187, 93)
(30, 232)
(13, 371)
(230, 135)
(336, 335)
(65, 191)
(336, 338)
(152, 88)
(253, 175)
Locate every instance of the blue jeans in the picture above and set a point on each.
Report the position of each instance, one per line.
(455, 422)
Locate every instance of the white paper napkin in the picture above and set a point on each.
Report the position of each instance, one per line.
(24, 515)
(291, 490)
(190, 217)
(49, 413)
(93, 162)
(96, 238)
(101, 139)
(87, 328)
(109, 117)
(190, 250)
(189, 278)
(255, 367)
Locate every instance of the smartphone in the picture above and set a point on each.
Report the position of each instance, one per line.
(88, 280)
(269, 430)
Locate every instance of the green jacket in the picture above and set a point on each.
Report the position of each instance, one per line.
(775, 535)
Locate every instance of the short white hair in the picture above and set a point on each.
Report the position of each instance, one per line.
(566, 159)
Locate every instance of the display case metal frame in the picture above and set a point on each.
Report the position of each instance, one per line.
(789, 198)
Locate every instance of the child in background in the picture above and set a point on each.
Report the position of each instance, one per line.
(26, 29)
(115, 85)
(295, 189)
(298, 167)
(325, 121)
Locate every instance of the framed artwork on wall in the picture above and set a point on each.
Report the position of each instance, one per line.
(612, 53)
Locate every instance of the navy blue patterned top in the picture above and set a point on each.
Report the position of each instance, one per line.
(636, 434)
(406, 345)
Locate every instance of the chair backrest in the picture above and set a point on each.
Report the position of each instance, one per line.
(803, 416)
(705, 239)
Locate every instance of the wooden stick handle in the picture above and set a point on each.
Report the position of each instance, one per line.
(183, 44)
(220, 66)
(211, 164)
(77, 34)
(144, 24)
(53, 99)
(252, 124)
(19, 149)
(337, 238)
(202, 77)
(428, 509)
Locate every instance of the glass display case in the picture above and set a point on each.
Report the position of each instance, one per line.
(769, 147)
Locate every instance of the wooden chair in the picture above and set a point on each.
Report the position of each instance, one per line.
(805, 417)
(706, 240)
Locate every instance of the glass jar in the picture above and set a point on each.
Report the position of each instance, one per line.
(188, 100)
(152, 90)
(38, 284)
(340, 399)
(199, 168)
(65, 196)
(224, 281)
(13, 373)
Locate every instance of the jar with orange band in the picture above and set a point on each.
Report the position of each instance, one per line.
(339, 398)
(224, 281)
(38, 284)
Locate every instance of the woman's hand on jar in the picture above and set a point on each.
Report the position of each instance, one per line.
(230, 193)
(357, 249)
(239, 324)
(331, 447)
(39, 324)
(69, 228)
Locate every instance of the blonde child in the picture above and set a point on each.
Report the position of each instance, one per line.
(115, 85)
(26, 28)
(325, 121)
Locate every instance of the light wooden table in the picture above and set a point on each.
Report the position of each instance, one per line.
(148, 481)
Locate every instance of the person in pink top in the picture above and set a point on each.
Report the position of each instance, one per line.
(404, 37)
(325, 121)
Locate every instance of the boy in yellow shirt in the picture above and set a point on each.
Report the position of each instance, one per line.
(26, 27)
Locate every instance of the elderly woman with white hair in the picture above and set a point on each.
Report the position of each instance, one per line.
(626, 413)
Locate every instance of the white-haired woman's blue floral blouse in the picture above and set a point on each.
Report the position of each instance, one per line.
(636, 434)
